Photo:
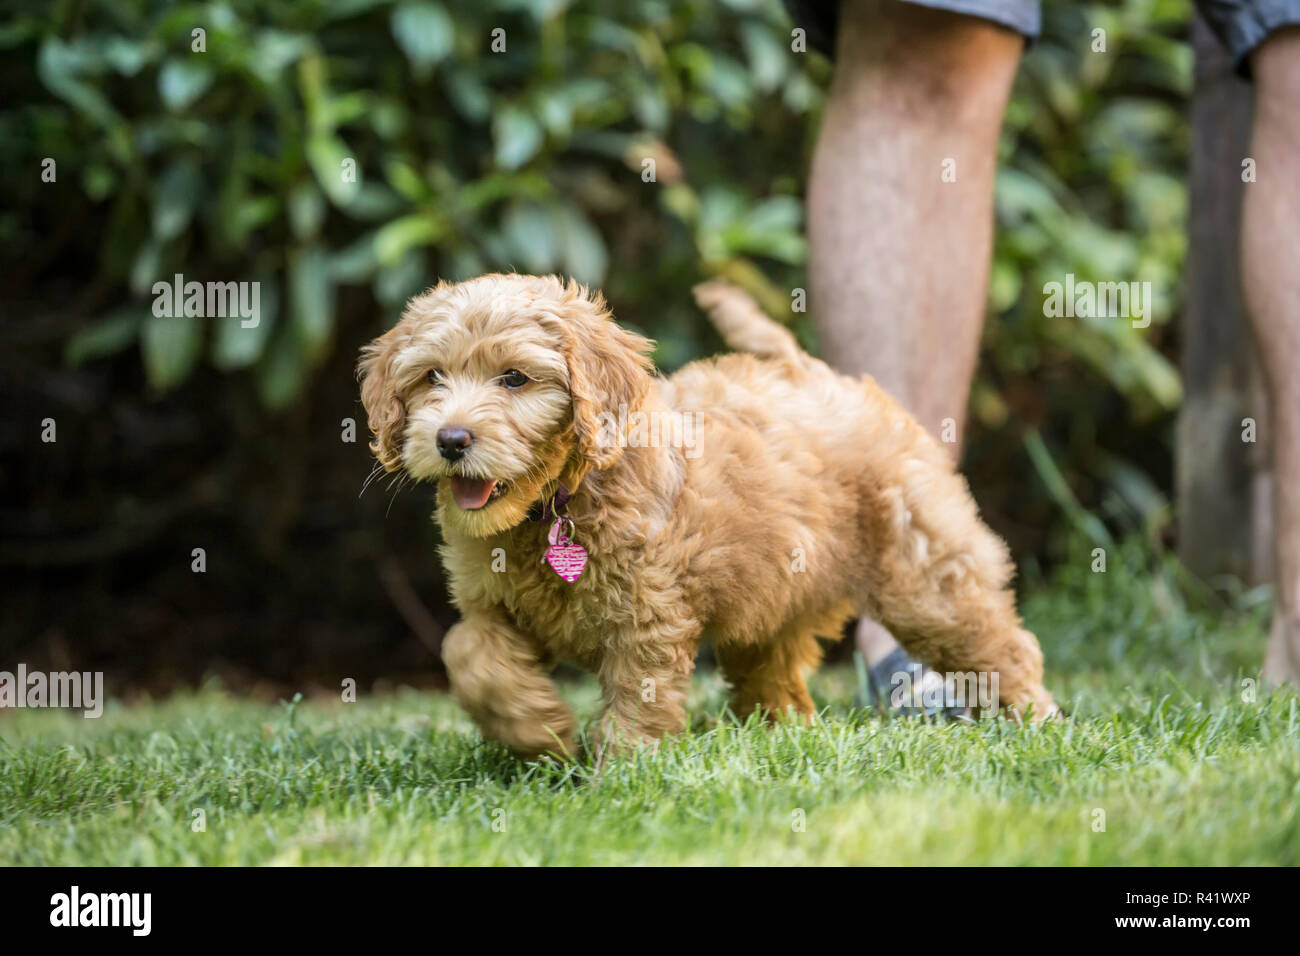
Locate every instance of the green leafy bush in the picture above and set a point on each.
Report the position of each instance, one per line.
(236, 162)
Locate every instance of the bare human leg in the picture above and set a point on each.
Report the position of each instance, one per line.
(1270, 242)
(900, 258)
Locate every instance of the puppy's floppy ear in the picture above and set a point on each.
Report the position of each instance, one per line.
(384, 409)
(609, 369)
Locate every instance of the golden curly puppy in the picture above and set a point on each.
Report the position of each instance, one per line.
(758, 500)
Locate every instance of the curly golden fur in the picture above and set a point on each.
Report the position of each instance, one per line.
(805, 498)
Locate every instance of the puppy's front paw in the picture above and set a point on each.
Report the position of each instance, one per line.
(531, 740)
(496, 677)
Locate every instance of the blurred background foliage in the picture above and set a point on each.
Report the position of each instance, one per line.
(236, 164)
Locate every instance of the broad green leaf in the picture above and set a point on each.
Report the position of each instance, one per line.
(425, 33)
(275, 50)
(1020, 195)
(556, 114)
(652, 110)
(728, 82)
(175, 200)
(768, 56)
(409, 232)
(306, 210)
(777, 214)
(1004, 286)
(329, 159)
(146, 268)
(182, 81)
(107, 336)
(581, 246)
(59, 65)
(516, 137)
(528, 228)
(236, 345)
(127, 56)
(311, 302)
(282, 373)
(406, 180)
(170, 347)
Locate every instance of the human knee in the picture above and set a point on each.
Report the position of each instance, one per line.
(1275, 66)
(924, 55)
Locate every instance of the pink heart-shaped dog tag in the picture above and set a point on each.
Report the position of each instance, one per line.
(567, 560)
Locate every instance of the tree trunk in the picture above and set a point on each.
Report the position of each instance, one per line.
(1224, 484)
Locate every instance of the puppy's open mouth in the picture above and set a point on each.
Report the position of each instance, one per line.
(472, 494)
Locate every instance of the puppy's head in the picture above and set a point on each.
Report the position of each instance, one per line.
(499, 389)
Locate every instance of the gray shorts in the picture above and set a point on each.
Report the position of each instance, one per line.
(1241, 25)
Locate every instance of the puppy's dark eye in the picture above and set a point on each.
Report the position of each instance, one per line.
(514, 379)
(435, 376)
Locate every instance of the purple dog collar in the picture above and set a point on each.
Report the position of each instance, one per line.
(550, 510)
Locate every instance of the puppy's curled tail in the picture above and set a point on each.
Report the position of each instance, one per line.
(744, 326)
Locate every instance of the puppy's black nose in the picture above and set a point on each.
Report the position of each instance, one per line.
(454, 442)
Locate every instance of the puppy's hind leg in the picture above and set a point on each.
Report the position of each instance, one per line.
(939, 582)
(770, 676)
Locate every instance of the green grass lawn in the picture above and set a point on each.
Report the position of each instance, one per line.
(1161, 740)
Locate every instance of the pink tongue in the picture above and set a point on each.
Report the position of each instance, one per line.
(471, 493)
